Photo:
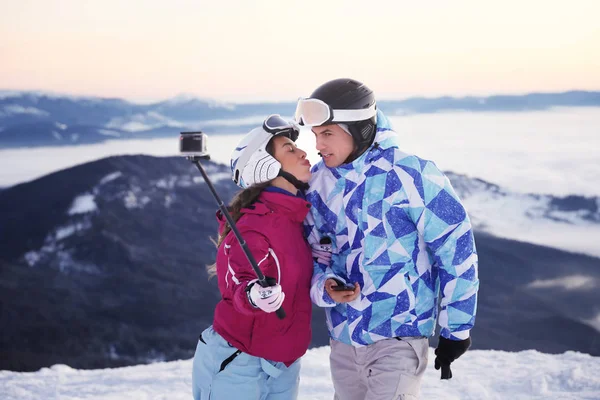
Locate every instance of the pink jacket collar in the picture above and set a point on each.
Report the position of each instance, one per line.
(293, 207)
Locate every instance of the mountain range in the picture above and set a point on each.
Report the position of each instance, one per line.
(103, 265)
(29, 119)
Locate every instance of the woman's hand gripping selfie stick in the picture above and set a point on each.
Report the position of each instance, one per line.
(193, 146)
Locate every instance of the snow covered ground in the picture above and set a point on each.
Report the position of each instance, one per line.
(478, 375)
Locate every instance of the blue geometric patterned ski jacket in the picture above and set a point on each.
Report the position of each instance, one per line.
(399, 230)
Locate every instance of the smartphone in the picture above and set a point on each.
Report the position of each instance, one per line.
(340, 287)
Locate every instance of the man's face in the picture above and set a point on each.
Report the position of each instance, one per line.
(334, 144)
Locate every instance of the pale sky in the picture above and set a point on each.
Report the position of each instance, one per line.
(279, 50)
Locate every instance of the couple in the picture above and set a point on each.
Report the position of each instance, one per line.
(374, 235)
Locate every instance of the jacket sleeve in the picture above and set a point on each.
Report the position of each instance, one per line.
(321, 272)
(239, 271)
(445, 228)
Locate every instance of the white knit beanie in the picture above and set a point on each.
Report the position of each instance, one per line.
(345, 128)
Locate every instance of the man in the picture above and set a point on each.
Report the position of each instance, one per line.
(400, 240)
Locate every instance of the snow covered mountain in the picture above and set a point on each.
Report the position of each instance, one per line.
(571, 223)
(102, 265)
(44, 119)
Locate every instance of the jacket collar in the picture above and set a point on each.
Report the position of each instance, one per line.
(385, 138)
(293, 207)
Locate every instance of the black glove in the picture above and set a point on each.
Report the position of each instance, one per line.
(448, 351)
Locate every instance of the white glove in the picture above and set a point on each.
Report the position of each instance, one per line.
(268, 299)
(321, 253)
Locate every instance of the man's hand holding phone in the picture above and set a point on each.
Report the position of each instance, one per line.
(341, 292)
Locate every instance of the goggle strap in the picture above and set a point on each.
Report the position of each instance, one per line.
(354, 115)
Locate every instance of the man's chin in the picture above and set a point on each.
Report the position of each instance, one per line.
(330, 162)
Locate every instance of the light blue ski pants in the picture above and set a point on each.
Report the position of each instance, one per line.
(244, 377)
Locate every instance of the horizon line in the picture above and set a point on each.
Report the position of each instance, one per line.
(183, 97)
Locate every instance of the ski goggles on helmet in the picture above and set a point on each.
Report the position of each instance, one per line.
(315, 112)
(250, 162)
(276, 125)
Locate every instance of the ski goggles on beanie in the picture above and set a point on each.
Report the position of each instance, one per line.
(315, 112)
(251, 164)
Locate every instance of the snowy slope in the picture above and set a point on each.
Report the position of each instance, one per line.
(570, 223)
(478, 375)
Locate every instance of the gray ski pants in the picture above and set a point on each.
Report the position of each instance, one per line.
(389, 369)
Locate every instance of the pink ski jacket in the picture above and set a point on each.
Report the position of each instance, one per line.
(273, 230)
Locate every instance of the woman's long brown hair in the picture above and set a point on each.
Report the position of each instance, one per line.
(243, 199)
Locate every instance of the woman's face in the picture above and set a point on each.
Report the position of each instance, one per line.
(334, 144)
(292, 159)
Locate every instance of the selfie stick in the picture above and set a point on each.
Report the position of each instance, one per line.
(262, 281)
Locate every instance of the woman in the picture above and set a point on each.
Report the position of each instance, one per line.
(248, 352)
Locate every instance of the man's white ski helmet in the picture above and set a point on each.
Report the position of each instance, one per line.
(251, 164)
